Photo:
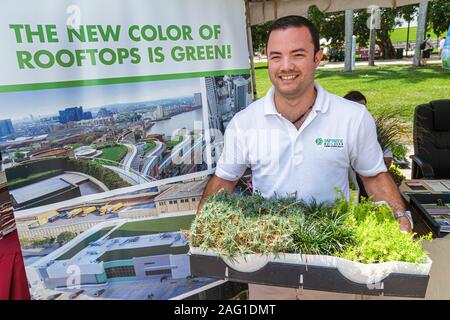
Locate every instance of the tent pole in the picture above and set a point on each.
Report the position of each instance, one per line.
(420, 34)
(250, 50)
(348, 40)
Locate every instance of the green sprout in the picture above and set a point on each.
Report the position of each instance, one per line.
(234, 225)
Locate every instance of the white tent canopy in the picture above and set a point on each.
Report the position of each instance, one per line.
(267, 10)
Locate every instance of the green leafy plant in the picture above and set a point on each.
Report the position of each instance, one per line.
(377, 237)
(399, 151)
(396, 174)
(388, 129)
(233, 225)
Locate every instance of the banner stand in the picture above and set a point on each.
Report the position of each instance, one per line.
(250, 50)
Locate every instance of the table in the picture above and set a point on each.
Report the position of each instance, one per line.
(13, 280)
(438, 248)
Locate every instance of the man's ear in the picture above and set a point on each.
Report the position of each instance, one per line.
(318, 57)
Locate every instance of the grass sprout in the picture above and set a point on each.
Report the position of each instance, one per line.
(234, 225)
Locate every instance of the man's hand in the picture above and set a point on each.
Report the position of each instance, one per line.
(405, 226)
(216, 184)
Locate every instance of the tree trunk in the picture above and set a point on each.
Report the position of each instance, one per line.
(385, 43)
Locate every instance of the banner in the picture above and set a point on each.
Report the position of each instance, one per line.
(112, 120)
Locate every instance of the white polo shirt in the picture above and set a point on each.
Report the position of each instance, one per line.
(310, 162)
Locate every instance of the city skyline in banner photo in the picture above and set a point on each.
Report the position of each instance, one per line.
(73, 45)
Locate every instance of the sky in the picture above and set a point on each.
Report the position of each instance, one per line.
(17, 105)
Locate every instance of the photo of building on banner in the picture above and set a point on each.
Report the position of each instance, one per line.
(78, 176)
(227, 95)
(106, 162)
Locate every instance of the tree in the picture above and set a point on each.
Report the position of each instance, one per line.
(65, 237)
(88, 140)
(19, 155)
(331, 26)
(408, 13)
(439, 15)
(259, 33)
(388, 23)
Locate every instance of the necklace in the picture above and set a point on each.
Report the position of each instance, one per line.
(299, 118)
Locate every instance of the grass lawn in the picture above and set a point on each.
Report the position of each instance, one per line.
(126, 254)
(398, 88)
(83, 244)
(114, 153)
(151, 226)
(149, 146)
(399, 35)
(172, 143)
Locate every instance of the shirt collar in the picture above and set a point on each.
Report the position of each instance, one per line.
(320, 105)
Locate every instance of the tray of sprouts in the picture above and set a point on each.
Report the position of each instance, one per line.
(345, 246)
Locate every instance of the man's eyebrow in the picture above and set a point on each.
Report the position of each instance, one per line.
(293, 51)
(298, 50)
(274, 52)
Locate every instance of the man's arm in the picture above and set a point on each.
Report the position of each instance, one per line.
(382, 187)
(215, 184)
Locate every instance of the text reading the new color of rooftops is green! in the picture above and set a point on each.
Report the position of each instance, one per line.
(175, 36)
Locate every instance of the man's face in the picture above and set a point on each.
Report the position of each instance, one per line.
(291, 60)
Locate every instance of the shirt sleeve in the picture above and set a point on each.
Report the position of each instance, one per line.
(367, 156)
(387, 153)
(234, 158)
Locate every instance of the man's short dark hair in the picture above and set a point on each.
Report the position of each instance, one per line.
(296, 21)
(355, 96)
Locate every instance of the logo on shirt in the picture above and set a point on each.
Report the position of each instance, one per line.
(330, 142)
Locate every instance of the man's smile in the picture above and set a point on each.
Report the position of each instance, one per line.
(287, 77)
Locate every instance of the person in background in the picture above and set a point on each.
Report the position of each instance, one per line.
(441, 46)
(427, 49)
(358, 97)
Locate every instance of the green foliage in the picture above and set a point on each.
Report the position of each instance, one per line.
(27, 168)
(330, 25)
(396, 174)
(114, 152)
(88, 140)
(19, 155)
(377, 235)
(65, 237)
(111, 179)
(236, 224)
(439, 16)
(84, 243)
(33, 178)
(43, 242)
(388, 129)
(399, 151)
(232, 225)
(149, 146)
(172, 143)
(259, 34)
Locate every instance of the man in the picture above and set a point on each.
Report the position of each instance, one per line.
(299, 139)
